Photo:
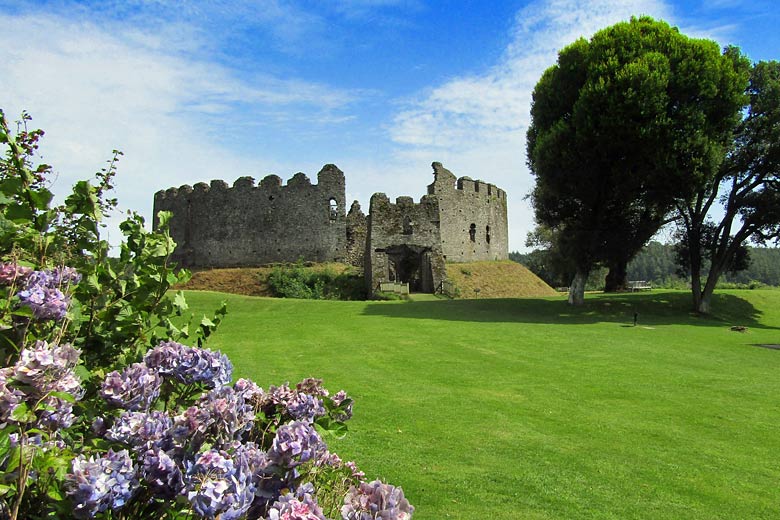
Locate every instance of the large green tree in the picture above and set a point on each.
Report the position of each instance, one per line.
(747, 185)
(624, 126)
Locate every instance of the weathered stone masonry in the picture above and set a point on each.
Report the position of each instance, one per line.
(246, 225)
(459, 220)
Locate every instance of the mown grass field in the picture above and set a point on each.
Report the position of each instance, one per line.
(530, 409)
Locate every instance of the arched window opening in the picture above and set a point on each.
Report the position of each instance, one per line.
(473, 232)
(334, 209)
(408, 229)
(487, 234)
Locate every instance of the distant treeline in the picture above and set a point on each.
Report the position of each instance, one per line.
(657, 263)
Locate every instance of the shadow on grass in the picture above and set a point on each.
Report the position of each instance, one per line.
(656, 308)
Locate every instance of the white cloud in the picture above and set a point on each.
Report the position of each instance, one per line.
(93, 89)
(476, 125)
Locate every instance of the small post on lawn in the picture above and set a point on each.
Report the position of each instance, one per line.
(636, 318)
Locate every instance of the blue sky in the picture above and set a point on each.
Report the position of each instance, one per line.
(193, 91)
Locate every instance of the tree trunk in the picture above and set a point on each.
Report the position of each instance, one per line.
(617, 277)
(704, 304)
(695, 263)
(577, 287)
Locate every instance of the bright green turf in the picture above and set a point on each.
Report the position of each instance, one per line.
(510, 409)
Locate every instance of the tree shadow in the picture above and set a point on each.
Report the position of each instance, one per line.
(654, 308)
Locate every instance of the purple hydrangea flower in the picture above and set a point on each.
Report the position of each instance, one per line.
(46, 303)
(248, 390)
(376, 501)
(190, 364)
(101, 483)
(162, 474)
(57, 413)
(312, 386)
(279, 395)
(12, 273)
(344, 404)
(295, 443)
(134, 389)
(221, 416)
(64, 276)
(10, 397)
(42, 292)
(299, 506)
(142, 430)
(216, 486)
(46, 368)
(305, 407)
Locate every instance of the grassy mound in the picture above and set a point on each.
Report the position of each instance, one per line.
(529, 408)
(502, 279)
(498, 279)
(247, 281)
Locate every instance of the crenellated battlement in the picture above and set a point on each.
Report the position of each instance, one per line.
(330, 177)
(249, 223)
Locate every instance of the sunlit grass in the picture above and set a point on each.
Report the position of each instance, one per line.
(528, 408)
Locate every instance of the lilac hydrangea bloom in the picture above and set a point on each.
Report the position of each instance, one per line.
(249, 391)
(221, 416)
(162, 474)
(134, 389)
(43, 369)
(305, 407)
(344, 403)
(312, 386)
(12, 273)
(217, 486)
(299, 506)
(101, 483)
(376, 501)
(64, 276)
(296, 443)
(57, 413)
(279, 395)
(48, 368)
(10, 397)
(46, 303)
(190, 364)
(142, 430)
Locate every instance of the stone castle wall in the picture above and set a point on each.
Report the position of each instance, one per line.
(460, 220)
(216, 225)
(473, 217)
(404, 243)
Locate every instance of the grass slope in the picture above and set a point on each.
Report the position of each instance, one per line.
(528, 408)
(249, 281)
(496, 279)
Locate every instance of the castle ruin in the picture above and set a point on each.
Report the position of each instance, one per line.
(459, 220)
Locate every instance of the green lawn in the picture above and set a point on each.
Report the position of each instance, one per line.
(528, 408)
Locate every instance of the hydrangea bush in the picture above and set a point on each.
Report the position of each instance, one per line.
(107, 412)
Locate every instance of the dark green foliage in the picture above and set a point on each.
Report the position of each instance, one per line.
(747, 185)
(657, 263)
(623, 126)
(298, 281)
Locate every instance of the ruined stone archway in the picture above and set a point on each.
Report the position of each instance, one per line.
(412, 265)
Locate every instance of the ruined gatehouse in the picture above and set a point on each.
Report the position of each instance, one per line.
(245, 225)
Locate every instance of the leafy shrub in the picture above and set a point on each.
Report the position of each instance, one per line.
(105, 413)
(298, 281)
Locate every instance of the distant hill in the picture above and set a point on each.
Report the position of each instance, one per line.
(497, 279)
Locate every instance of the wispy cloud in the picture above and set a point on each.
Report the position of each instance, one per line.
(476, 124)
(175, 116)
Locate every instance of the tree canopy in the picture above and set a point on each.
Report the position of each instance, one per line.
(747, 185)
(623, 127)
